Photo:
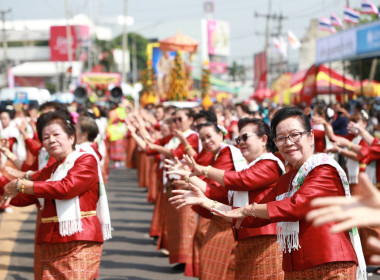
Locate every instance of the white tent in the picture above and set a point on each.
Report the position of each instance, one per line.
(47, 69)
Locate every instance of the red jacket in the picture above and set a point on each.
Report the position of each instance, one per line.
(371, 153)
(318, 245)
(258, 180)
(193, 140)
(319, 141)
(82, 181)
(204, 158)
(214, 190)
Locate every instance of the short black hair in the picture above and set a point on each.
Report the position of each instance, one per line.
(10, 110)
(262, 129)
(208, 115)
(189, 113)
(61, 117)
(210, 124)
(243, 106)
(288, 112)
(52, 104)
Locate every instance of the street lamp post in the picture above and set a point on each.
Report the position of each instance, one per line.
(5, 44)
(124, 43)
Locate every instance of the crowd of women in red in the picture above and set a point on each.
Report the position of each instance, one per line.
(232, 188)
(236, 192)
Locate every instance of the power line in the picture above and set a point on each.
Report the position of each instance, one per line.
(278, 17)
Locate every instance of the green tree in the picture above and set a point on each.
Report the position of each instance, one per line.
(140, 42)
(237, 71)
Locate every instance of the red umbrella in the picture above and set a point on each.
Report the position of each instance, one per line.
(179, 42)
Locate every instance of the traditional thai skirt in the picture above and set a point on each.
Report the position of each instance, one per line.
(259, 257)
(71, 260)
(181, 225)
(217, 254)
(326, 271)
(192, 263)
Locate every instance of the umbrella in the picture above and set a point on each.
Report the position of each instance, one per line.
(179, 42)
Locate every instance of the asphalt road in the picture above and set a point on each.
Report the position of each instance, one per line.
(130, 254)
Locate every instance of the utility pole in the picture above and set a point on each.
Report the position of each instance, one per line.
(5, 43)
(279, 18)
(65, 86)
(268, 17)
(276, 17)
(124, 43)
(134, 59)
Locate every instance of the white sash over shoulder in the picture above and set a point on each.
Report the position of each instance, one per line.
(241, 198)
(288, 232)
(68, 210)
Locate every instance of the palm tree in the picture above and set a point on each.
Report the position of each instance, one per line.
(237, 71)
(233, 70)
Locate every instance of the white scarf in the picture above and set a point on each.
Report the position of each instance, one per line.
(353, 165)
(43, 158)
(68, 210)
(241, 198)
(287, 232)
(238, 159)
(371, 171)
(102, 209)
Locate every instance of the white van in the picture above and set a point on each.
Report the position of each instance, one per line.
(23, 95)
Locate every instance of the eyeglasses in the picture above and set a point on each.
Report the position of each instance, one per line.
(293, 137)
(244, 137)
(177, 119)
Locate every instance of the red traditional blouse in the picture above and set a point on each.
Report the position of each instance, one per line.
(318, 245)
(82, 181)
(193, 140)
(258, 181)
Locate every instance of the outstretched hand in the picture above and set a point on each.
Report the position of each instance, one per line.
(359, 211)
(130, 126)
(190, 162)
(179, 135)
(194, 196)
(335, 148)
(176, 167)
(374, 245)
(237, 214)
(340, 141)
(10, 191)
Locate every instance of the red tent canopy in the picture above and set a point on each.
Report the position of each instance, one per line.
(179, 42)
(324, 80)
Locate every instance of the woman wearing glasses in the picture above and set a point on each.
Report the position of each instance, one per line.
(257, 255)
(308, 252)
